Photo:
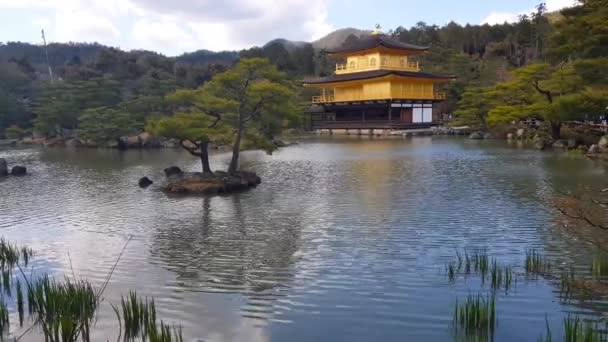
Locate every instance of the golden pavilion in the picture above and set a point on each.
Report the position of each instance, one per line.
(376, 86)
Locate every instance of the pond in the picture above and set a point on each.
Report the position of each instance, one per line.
(344, 240)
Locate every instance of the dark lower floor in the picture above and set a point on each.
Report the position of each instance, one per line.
(386, 115)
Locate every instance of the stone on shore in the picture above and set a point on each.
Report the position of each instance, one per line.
(18, 170)
(593, 149)
(208, 184)
(488, 135)
(476, 135)
(520, 133)
(3, 168)
(560, 144)
(510, 136)
(145, 182)
(173, 171)
(603, 143)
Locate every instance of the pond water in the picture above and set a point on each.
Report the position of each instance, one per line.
(345, 239)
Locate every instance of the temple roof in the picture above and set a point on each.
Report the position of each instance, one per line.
(376, 40)
(375, 74)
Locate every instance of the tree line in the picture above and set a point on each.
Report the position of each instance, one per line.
(540, 66)
(565, 77)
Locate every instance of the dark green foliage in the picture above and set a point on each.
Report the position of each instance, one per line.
(60, 105)
(104, 124)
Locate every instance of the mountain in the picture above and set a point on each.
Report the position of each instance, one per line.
(290, 45)
(206, 57)
(337, 38)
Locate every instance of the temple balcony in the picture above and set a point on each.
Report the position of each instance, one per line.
(346, 68)
(355, 97)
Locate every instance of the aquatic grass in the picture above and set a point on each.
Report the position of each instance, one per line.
(4, 319)
(536, 263)
(451, 270)
(63, 310)
(476, 316)
(599, 267)
(500, 276)
(577, 330)
(480, 263)
(138, 319)
(20, 302)
(548, 337)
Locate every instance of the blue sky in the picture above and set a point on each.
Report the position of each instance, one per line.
(175, 26)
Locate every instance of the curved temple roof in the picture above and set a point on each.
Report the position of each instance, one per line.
(375, 74)
(376, 40)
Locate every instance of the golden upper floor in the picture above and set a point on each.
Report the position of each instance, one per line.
(375, 61)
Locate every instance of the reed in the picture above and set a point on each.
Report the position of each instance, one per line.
(138, 319)
(536, 263)
(4, 319)
(500, 276)
(20, 302)
(548, 337)
(577, 330)
(599, 267)
(64, 310)
(476, 316)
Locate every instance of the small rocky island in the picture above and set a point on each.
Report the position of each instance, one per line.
(206, 183)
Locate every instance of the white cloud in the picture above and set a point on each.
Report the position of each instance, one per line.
(501, 17)
(173, 27)
(84, 26)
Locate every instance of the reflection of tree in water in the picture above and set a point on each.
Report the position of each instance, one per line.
(228, 248)
(575, 234)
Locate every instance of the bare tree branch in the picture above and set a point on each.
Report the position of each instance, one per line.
(580, 216)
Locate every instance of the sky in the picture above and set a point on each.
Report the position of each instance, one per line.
(172, 27)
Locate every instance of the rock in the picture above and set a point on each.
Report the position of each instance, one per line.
(593, 149)
(129, 142)
(74, 143)
(206, 184)
(33, 141)
(560, 144)
(540, 145)
(603, 143)
(542, 141)
(571, 143)
(510, 136)
(476, 135)
(8, 142)
(488, 136)
(3, 168)
(18, 170)
(582, 148)
(146, 140)
(169, 143)
(172, 171)
(520, 133)
(112, 144)
(145, 182)
(54, 142)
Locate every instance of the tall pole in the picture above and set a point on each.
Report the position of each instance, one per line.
(46, 53)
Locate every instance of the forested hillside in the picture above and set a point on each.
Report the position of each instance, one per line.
(505, 71)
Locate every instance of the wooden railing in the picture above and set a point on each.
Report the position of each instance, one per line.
(413, 96)
(388, 65)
